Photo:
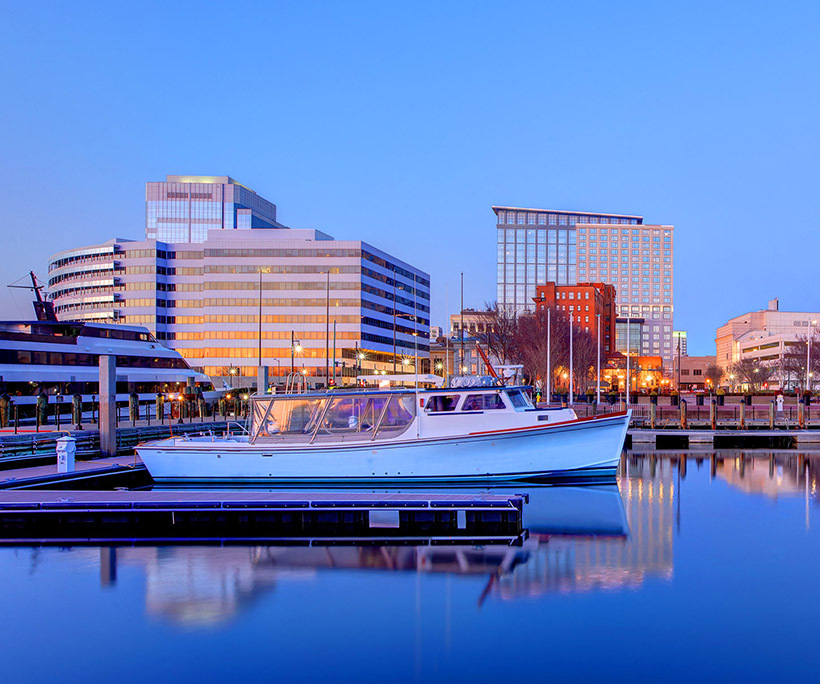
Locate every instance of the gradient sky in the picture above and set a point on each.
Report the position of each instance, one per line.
(402, 124)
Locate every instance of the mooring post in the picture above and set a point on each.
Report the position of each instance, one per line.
(713, 414)
(108, 405)
(771, 415)
(801, 416)
(16, 420)
(261, 380)
(742, 415)
(683, 424)
(653, 412)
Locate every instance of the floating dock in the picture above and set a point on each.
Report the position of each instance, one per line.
(207, 516)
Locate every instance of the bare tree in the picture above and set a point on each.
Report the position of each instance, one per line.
(501, 333)
(752, 372)
(714, 374)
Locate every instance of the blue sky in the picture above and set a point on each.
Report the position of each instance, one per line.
(403, 123)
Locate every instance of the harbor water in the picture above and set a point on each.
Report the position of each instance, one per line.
(695, 567)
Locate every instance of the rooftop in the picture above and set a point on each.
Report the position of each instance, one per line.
(564, 211)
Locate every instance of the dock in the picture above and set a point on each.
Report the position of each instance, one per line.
(727, 438)
(216, 516)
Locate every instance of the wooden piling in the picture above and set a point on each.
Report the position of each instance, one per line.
(683, 423)
(742, 415)
(771, 415)
(713, 414)
(108, 405)
(653, 413)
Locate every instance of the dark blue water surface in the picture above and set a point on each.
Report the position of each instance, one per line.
(689, 570)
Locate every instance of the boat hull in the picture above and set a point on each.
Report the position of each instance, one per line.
(579, 449)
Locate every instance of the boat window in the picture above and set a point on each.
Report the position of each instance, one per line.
(518, 399)
(23, 357)
(338, 415)
(441, 403)
(483, 402)
(493, 401)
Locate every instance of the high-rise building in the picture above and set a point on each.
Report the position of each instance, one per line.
(536, 246)
(679, 343)
(585, 302)
(185, 208)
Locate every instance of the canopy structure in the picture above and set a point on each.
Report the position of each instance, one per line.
(406, 378)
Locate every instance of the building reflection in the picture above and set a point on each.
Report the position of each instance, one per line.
(579, 539)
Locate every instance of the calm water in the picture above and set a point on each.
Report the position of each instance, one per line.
(688, 571)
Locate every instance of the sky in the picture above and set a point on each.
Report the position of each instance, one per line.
(402, 124)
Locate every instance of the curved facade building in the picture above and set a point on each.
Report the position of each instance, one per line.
(203, 299)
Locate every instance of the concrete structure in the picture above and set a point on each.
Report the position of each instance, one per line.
(203, 300)
(763, 335)
(185, 208)
(584, 301)
(536, 246)
(693, 372)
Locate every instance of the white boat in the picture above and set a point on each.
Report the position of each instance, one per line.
(470, 434)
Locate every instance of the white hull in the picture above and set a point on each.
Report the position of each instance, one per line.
(578, 448)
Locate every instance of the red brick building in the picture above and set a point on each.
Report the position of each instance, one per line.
(584, 301)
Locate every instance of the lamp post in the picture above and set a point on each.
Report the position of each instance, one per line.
(598, 373)
(628, 322)
(808, 355)
(295, 348)
(571, 389)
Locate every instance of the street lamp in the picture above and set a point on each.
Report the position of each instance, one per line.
(295, 348)
(808, 355)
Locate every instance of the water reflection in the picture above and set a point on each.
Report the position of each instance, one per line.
(578, 539)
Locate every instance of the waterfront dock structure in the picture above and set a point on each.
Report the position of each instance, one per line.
(324, 302)
(89, 516)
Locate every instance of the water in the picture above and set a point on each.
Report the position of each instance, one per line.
(681, 574)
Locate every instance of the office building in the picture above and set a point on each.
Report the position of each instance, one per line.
(585, 302)
(203, 299)
(185, 208)
(691, 374)
(679, 343)
(764, 335)
(536, 246)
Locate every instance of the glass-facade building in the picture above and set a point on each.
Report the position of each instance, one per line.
(185, 208)
(536, 246)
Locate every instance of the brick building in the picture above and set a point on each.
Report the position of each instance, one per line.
(584, 301)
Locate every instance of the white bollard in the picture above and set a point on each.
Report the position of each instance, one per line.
(66, 448)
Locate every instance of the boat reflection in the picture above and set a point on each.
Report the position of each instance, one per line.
(577, 539)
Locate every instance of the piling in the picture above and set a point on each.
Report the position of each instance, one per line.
(771, 415)
(77, 410)
(801, 414)
(261, 380)
(653, 414)
(683, 423)
(713, 414)
(742, 415)
(108, 405)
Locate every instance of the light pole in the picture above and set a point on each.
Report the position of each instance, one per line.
(571, 389)
(808, 355)
(598, 374)
(295, 348)
(548, 378)
(628, 321)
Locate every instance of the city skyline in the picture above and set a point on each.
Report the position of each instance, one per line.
(422, 138)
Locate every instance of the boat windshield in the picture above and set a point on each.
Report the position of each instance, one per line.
(328, 417)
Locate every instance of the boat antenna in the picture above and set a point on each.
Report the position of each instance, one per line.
(43, 309)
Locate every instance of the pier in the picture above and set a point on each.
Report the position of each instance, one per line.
(215, 516)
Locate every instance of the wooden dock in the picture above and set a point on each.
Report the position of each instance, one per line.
(727, 438)
(216, 516)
